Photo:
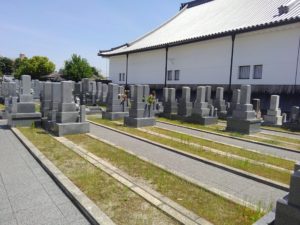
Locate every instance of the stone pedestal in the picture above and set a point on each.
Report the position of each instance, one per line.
(22, 109)
(141, 113)
(273, 116)
(185, 105)
(244, 119)
(294, 122)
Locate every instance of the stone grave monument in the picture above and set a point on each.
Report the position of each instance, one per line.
(22, 108)
(46, 98)
(220, 104)
(243, 118)
(202, 113)
(256, 107)
(236, 97)
(141, 113)
(273, 116)
(185, 105)
(170, 106)
(68, 120)
(294, 121)
(115, 109)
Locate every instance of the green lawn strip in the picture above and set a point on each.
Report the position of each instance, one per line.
(2, 107)
(221, 130)
(202, 202)
(37, 107)
(280, 129)
(121, 204)
(270, 173)
(272, 160)
(281, 138)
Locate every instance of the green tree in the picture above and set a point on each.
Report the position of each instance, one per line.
(6, 65)
(36, 66)
(77, 68)
(97, 73)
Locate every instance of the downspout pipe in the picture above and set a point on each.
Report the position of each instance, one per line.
(231, 61)
(297, 67)
(126, 83)
(166, 65)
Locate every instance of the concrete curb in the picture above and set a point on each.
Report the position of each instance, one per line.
(88, 208)
(184, 177)
(236, 138)
(239, 172)
(165, 204)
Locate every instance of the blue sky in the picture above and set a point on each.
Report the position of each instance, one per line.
(59, 28)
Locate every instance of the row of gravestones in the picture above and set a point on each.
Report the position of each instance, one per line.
(58, 111)
(242, 116)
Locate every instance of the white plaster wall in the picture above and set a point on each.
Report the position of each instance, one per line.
(205, 62)
(147, 67)
(276, 49)
(117, 65)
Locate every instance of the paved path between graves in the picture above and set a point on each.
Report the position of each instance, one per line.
(240, 187)
(240, 143)
(28, 196)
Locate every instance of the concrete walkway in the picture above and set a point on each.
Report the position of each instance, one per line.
(28, 196)
(227, 182)
(240, 143)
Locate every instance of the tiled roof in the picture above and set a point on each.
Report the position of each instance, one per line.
(213, 19)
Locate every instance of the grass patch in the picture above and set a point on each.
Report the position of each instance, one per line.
(202, 202)
(222, 130)
(37, 107)
(121, 204)
(2, 107)
(272, 160)
(280, 129)
(270, 173)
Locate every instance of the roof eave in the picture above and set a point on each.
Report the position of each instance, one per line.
(204, 38)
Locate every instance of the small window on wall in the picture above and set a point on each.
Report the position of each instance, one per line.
(257, 71)
(170, 75)
(177, 74)
(244, 72)
(123, 77)
(120, 76)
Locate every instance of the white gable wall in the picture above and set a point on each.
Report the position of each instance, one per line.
(208, 62)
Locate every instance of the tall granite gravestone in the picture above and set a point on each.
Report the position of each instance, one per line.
(202, 113)
(99, 92)
(185, 105)
(220, 104)
(141, 113)
(104, 93)
(235, 101)
(131, 91)
(46, 98)
(68, 120)
(170, 106)
(273, 116)
(243, 118)
(256, 107)
(22, 108)
(115, 108)
(36, 89)
(288, 210)
(77, 89)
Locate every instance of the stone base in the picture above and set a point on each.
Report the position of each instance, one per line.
(292, 126)
(243, 126)
(286, 214)
(114, 115)
(24, 119)
(47, 124)
(207, 120)
(139, 122)
(91, 110)
(272, 120)
(61, 129)
(222, 115)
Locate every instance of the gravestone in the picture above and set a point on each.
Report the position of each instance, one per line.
(115, 109)
(220, 104)
(294, 121)
(46, 98)
(170, 106)
(36, 89)
(104, 93)
(288, 210)
(68, 120)
(202, 112)
(99, 92)
(141, 113)
(185, 105)
(78, 89)
(131, 91)
(256, 107)
(273, 116)
(22, 108)
(243, 118)
(236, 98)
